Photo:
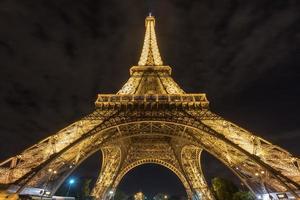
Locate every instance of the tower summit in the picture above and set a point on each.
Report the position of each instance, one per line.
(150, 76)
(150, 54)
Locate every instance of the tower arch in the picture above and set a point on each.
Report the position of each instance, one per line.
(160, 162)
(188, 132)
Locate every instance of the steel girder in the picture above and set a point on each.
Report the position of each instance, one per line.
(234, 146)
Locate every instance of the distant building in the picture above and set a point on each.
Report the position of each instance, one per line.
(139, 196)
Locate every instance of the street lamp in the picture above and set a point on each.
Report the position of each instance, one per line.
(112, 195)
(70, 182)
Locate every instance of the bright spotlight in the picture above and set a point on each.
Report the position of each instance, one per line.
(71, 181)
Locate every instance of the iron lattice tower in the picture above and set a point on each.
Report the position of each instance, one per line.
(152, 120)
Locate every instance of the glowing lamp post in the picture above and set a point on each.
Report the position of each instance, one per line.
(112, 194)
(71, 182)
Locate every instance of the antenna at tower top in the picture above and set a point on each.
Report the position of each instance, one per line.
(150, 14)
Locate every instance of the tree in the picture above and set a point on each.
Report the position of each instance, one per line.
(85, 189)
(223, 189)
(120, 195)
(241, 195)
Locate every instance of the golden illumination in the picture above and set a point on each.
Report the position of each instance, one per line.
(152, 120)
(139, 196)
(150, 54)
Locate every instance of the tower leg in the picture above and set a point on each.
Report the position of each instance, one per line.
(190, 158)
(110, 165)
(151, 150)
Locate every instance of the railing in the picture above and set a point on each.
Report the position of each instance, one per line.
(190, 99)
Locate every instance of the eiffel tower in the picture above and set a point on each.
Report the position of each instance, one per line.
(152, 120)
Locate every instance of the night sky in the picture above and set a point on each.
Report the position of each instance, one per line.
(56, 56)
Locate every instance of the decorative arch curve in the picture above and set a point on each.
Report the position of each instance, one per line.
(165, 164)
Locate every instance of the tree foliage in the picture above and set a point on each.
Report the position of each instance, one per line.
(85, 188)
(223, 189)
(243, 196)
(226, 190)
(120, 195)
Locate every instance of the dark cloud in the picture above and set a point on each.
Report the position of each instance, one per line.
(55, 56)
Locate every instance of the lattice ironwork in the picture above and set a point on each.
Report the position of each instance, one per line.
(152, 120)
